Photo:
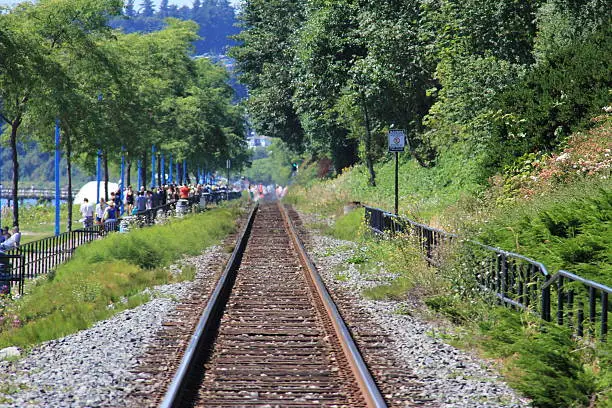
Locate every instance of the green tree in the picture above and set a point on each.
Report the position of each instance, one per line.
(263, 60)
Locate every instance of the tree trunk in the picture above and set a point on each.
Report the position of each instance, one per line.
(414, 153)
(69, 170)
(13, 142)
(128, 178)
(368, 142)
(105, 164)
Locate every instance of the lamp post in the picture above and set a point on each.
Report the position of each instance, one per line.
(153, 167)
(185, 171)
(139, 174)
(122, 183)
(57, 177)
(98, 171)
(163, 170)
(170, 170)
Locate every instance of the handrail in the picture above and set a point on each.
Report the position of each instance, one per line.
(508, 275)
(577, 278)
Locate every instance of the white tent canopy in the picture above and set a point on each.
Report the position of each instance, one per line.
(89, 191)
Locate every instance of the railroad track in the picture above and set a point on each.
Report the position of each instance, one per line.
(278, 341)
(269, 336)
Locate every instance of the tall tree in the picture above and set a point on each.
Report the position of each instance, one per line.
(20, 80)
(164, 10)
(146, 8)
(263, 61)
(129, 8)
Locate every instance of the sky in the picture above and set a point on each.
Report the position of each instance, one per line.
(137, 2)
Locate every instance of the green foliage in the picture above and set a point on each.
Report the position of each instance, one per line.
(544, 364)
(568, 229)
(264, 60)
(465, 103)
(274, 168)
(557, 97)
(107, 276)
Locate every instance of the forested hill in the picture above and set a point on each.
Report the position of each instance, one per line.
(216, 18)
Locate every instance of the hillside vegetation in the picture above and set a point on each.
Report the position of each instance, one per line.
(501, 103)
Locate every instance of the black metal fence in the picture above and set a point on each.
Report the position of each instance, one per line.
(515, 280)
(42, 256)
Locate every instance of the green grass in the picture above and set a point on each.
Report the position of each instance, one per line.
(108, 276)
(568, 229)
(423, 192)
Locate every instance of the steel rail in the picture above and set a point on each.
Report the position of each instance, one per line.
(364, 379)
(213, 308)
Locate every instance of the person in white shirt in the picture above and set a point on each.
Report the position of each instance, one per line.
(87, 211)
(100, 208)
(12, 242)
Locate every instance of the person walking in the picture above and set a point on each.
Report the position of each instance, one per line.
(100, 208)
(87, 211)
(129, 200)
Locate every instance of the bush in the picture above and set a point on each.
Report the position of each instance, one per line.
(557, 97)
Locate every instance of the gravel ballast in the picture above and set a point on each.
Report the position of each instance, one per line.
(92, 368)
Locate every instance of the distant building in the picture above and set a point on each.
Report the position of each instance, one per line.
(258, 141)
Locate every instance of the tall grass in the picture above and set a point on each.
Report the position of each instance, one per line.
(570, 228)
(107, 276)
(423, 192)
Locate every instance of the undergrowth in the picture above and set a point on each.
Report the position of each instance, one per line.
(107, 276)
(540, 360)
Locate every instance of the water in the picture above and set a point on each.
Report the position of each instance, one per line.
(27, 202)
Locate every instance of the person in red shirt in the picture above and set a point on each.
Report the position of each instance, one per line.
(184, 191)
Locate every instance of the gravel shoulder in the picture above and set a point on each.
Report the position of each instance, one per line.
(93, 368)
(449, 377)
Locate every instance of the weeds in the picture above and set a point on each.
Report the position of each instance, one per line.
(107, 276)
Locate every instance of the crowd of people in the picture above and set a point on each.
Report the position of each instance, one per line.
(132, 202)
(260, 191)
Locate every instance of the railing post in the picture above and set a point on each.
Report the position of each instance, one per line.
(546, 301)
(580, 319)
(560, 301)
(592, 311)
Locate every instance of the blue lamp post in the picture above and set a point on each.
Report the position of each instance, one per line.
(153, 166)
(185, 171)
(98, 171)
(57, 177)
(122, 183)
(170, 170)
(163, 169)
(139, 175)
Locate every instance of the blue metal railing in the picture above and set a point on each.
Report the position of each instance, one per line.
(515, 280)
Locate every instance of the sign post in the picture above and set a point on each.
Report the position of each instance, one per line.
(397, 141)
